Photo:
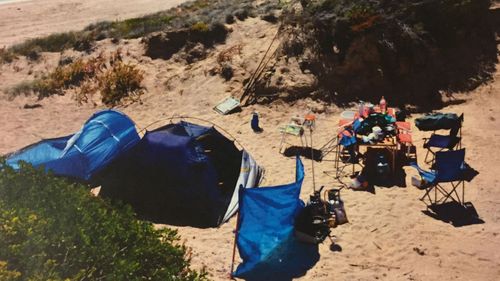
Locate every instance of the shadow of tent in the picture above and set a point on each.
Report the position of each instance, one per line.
(292, 259)
(455, 214)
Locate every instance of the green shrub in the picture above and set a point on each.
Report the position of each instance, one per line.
(200, 27)
(53, 43)
(137, 27)
(185, 15)
(409, 51)
(6, 56)
(8, 275)
(51, 229)
(122, 81)
(115, 80)
(66, 76)
(23, 88)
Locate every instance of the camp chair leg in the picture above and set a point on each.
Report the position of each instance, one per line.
(427, 194)
(449, 195)
(426, 161)
(463, 192)
(444, 194)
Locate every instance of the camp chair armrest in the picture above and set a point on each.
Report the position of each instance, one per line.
(427, 176)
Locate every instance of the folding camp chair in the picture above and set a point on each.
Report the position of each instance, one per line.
(450, 169)
(405, 139)
(294, 130)
(439, 142)
(347, 154)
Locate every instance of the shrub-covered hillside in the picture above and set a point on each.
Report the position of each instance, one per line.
(51, 229)
(409, 50)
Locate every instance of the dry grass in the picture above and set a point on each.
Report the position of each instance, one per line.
(228, 54)
(198, 14)
(6, 56)
(115, 80)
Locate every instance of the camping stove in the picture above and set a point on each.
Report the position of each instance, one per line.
(314, 222)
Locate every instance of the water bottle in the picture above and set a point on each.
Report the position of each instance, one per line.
(383, 105)
(361, 110)
(255, 121)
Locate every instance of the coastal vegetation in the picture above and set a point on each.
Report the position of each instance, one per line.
(193, 28)
(409, 51)
(186, 15)
(116, 81)
(52, 229)
(412, 52)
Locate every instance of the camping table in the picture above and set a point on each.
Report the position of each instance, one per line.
(389, 143)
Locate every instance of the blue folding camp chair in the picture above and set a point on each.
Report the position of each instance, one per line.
(439, 142)
(449, 167)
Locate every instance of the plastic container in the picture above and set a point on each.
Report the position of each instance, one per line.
(348, 115)
(416, 181)
(377, 131)
(355, 183)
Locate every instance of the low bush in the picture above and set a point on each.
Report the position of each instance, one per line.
(53, 43)
(51, 229)
(116, 81)
(200, 27)
(165, 44)
(227, 71)
(229, 19)
(67, 76)
(6, 56)
(23, 88)
(184, 16)
(121, 82)
(138, 27)
(409, 51)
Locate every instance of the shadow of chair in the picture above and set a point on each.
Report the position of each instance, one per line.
(455, 214)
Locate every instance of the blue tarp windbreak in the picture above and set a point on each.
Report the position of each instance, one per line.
(265, 236)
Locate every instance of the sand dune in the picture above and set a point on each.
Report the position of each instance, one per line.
(29, 19)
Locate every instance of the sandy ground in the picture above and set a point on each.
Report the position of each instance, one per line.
(388, 237)
(29, 19)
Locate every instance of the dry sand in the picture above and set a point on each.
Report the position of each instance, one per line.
(388, 237)
(29, 19)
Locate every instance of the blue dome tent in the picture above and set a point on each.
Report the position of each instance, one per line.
(102, 138)
(182, 174)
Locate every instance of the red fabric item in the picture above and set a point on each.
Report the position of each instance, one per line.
(405, 138)
(342, 122)
(405, 126)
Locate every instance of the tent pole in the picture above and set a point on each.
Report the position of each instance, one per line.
(234, 244)
(312, 159)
